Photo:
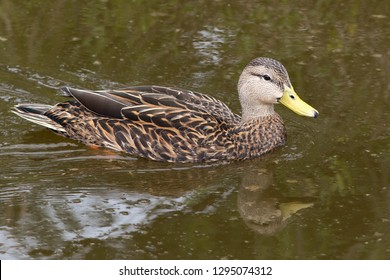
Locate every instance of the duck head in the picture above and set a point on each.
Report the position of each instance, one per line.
(265, 82)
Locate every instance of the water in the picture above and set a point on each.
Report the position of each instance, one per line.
(325, 195)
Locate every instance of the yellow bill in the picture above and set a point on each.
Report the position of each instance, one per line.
(291, 100)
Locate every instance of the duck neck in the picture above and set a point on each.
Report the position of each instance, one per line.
(254, 112)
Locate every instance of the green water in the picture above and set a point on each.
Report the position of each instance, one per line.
(325, 195)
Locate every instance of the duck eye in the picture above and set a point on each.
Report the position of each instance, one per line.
(266, 77)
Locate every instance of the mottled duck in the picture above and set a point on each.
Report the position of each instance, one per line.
(178, 125)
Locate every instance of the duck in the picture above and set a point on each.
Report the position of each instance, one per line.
(171, 124)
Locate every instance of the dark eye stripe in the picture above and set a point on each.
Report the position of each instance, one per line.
(265, 77)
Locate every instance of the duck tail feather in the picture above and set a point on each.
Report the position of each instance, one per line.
(36, 113)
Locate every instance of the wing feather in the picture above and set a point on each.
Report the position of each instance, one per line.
(111, 102)
(161, 123)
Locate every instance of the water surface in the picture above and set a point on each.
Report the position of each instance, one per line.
(325, 195)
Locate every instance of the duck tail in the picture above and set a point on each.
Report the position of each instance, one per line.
(36, 113)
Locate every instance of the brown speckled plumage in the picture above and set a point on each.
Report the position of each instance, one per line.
(165, 123)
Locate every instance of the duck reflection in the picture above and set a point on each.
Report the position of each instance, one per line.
(262, 208)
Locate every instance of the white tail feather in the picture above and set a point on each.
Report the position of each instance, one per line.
(34, 113)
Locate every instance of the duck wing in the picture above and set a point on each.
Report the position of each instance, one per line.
(159, 123)
(111, 102)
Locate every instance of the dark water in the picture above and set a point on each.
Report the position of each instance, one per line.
(325, 195)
